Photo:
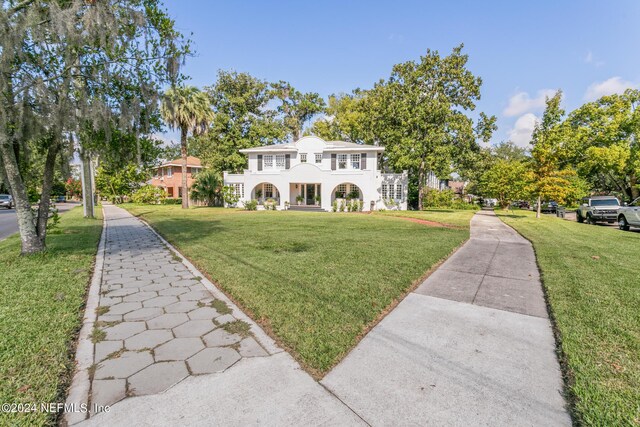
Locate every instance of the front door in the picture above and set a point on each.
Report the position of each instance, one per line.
(311, 194)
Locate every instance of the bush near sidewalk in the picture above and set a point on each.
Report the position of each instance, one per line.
(41, 306)
(592, 281)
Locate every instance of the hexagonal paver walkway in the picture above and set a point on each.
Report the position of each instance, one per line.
(158, 320)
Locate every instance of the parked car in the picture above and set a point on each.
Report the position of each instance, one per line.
(59, 199)
(598, 209)
(6, 201)
(629, 215)
(550, 207)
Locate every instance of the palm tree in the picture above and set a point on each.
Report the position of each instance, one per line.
(189, 110)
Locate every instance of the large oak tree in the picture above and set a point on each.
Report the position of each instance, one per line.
(69, 69)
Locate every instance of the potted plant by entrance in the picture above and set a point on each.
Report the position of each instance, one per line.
(317, 199)
(299, 199)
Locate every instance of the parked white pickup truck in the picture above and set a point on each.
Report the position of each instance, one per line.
(629, 215)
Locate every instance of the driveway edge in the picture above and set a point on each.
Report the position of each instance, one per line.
(78, 393)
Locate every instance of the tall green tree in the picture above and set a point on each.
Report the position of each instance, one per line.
(551, 179)
(421, 115)
(64, 67)
(189, 110)
(603, 143)
(243, 119)
(506, 181)
(296, 108)
(346, 119)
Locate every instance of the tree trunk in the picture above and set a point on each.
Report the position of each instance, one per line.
(420, 186)
(183, 150)
(31, 243)
(635, 191)
(87, 185)
(539, 208)
(47, 184)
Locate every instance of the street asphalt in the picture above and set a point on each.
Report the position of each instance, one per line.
(9, 221)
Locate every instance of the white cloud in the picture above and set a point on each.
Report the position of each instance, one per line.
(591, 59)
(608, 87)
(521, 102)
(521, 132)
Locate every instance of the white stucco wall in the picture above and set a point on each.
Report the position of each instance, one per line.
(369, 180)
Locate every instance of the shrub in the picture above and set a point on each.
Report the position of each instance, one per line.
(149, 194)
(207, 188)
(334, 206)
(446, 199)
(342, 206)
(270, 204)
(251, 205)
(169, 201)
(229, 195)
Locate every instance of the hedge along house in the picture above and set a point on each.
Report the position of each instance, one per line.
(313, 173)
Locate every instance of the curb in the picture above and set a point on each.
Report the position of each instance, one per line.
(78, 394)
(261, 336)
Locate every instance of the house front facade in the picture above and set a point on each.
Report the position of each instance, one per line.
(315, 172)
(168, 176)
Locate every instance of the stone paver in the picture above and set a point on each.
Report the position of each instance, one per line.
(148, 339)
(108, 392)
(179, 349)
(155, 314)
(157, 378)
(220, 338)
(212, 360)
(125, 365)
(194, 328)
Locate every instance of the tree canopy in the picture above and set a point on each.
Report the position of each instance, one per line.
(71, 69)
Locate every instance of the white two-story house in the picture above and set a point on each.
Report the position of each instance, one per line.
(315, 172)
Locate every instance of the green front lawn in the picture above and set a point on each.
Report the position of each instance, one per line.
(41, 303)
(458, 218)
(592, 279)
(316, 281)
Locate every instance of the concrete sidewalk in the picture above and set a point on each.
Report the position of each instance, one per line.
(471, 346)
(173, 350)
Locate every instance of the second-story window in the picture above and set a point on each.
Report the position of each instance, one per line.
(268, 161)
(384, 192)
(342, 161)
(169, 171)
(318, 158)
(355, 161)
(303, 158)
(279, 161)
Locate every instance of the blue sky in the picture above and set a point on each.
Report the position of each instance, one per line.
(522, 50)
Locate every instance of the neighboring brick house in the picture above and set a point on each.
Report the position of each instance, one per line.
(169, 175)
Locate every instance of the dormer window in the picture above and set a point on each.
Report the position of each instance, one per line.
(303, 157)
(280, 161)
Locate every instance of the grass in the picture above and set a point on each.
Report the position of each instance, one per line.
(41, 301)
(316, 281)
(592, 281)
(458, 218)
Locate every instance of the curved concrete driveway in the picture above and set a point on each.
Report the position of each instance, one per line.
(471, 346)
